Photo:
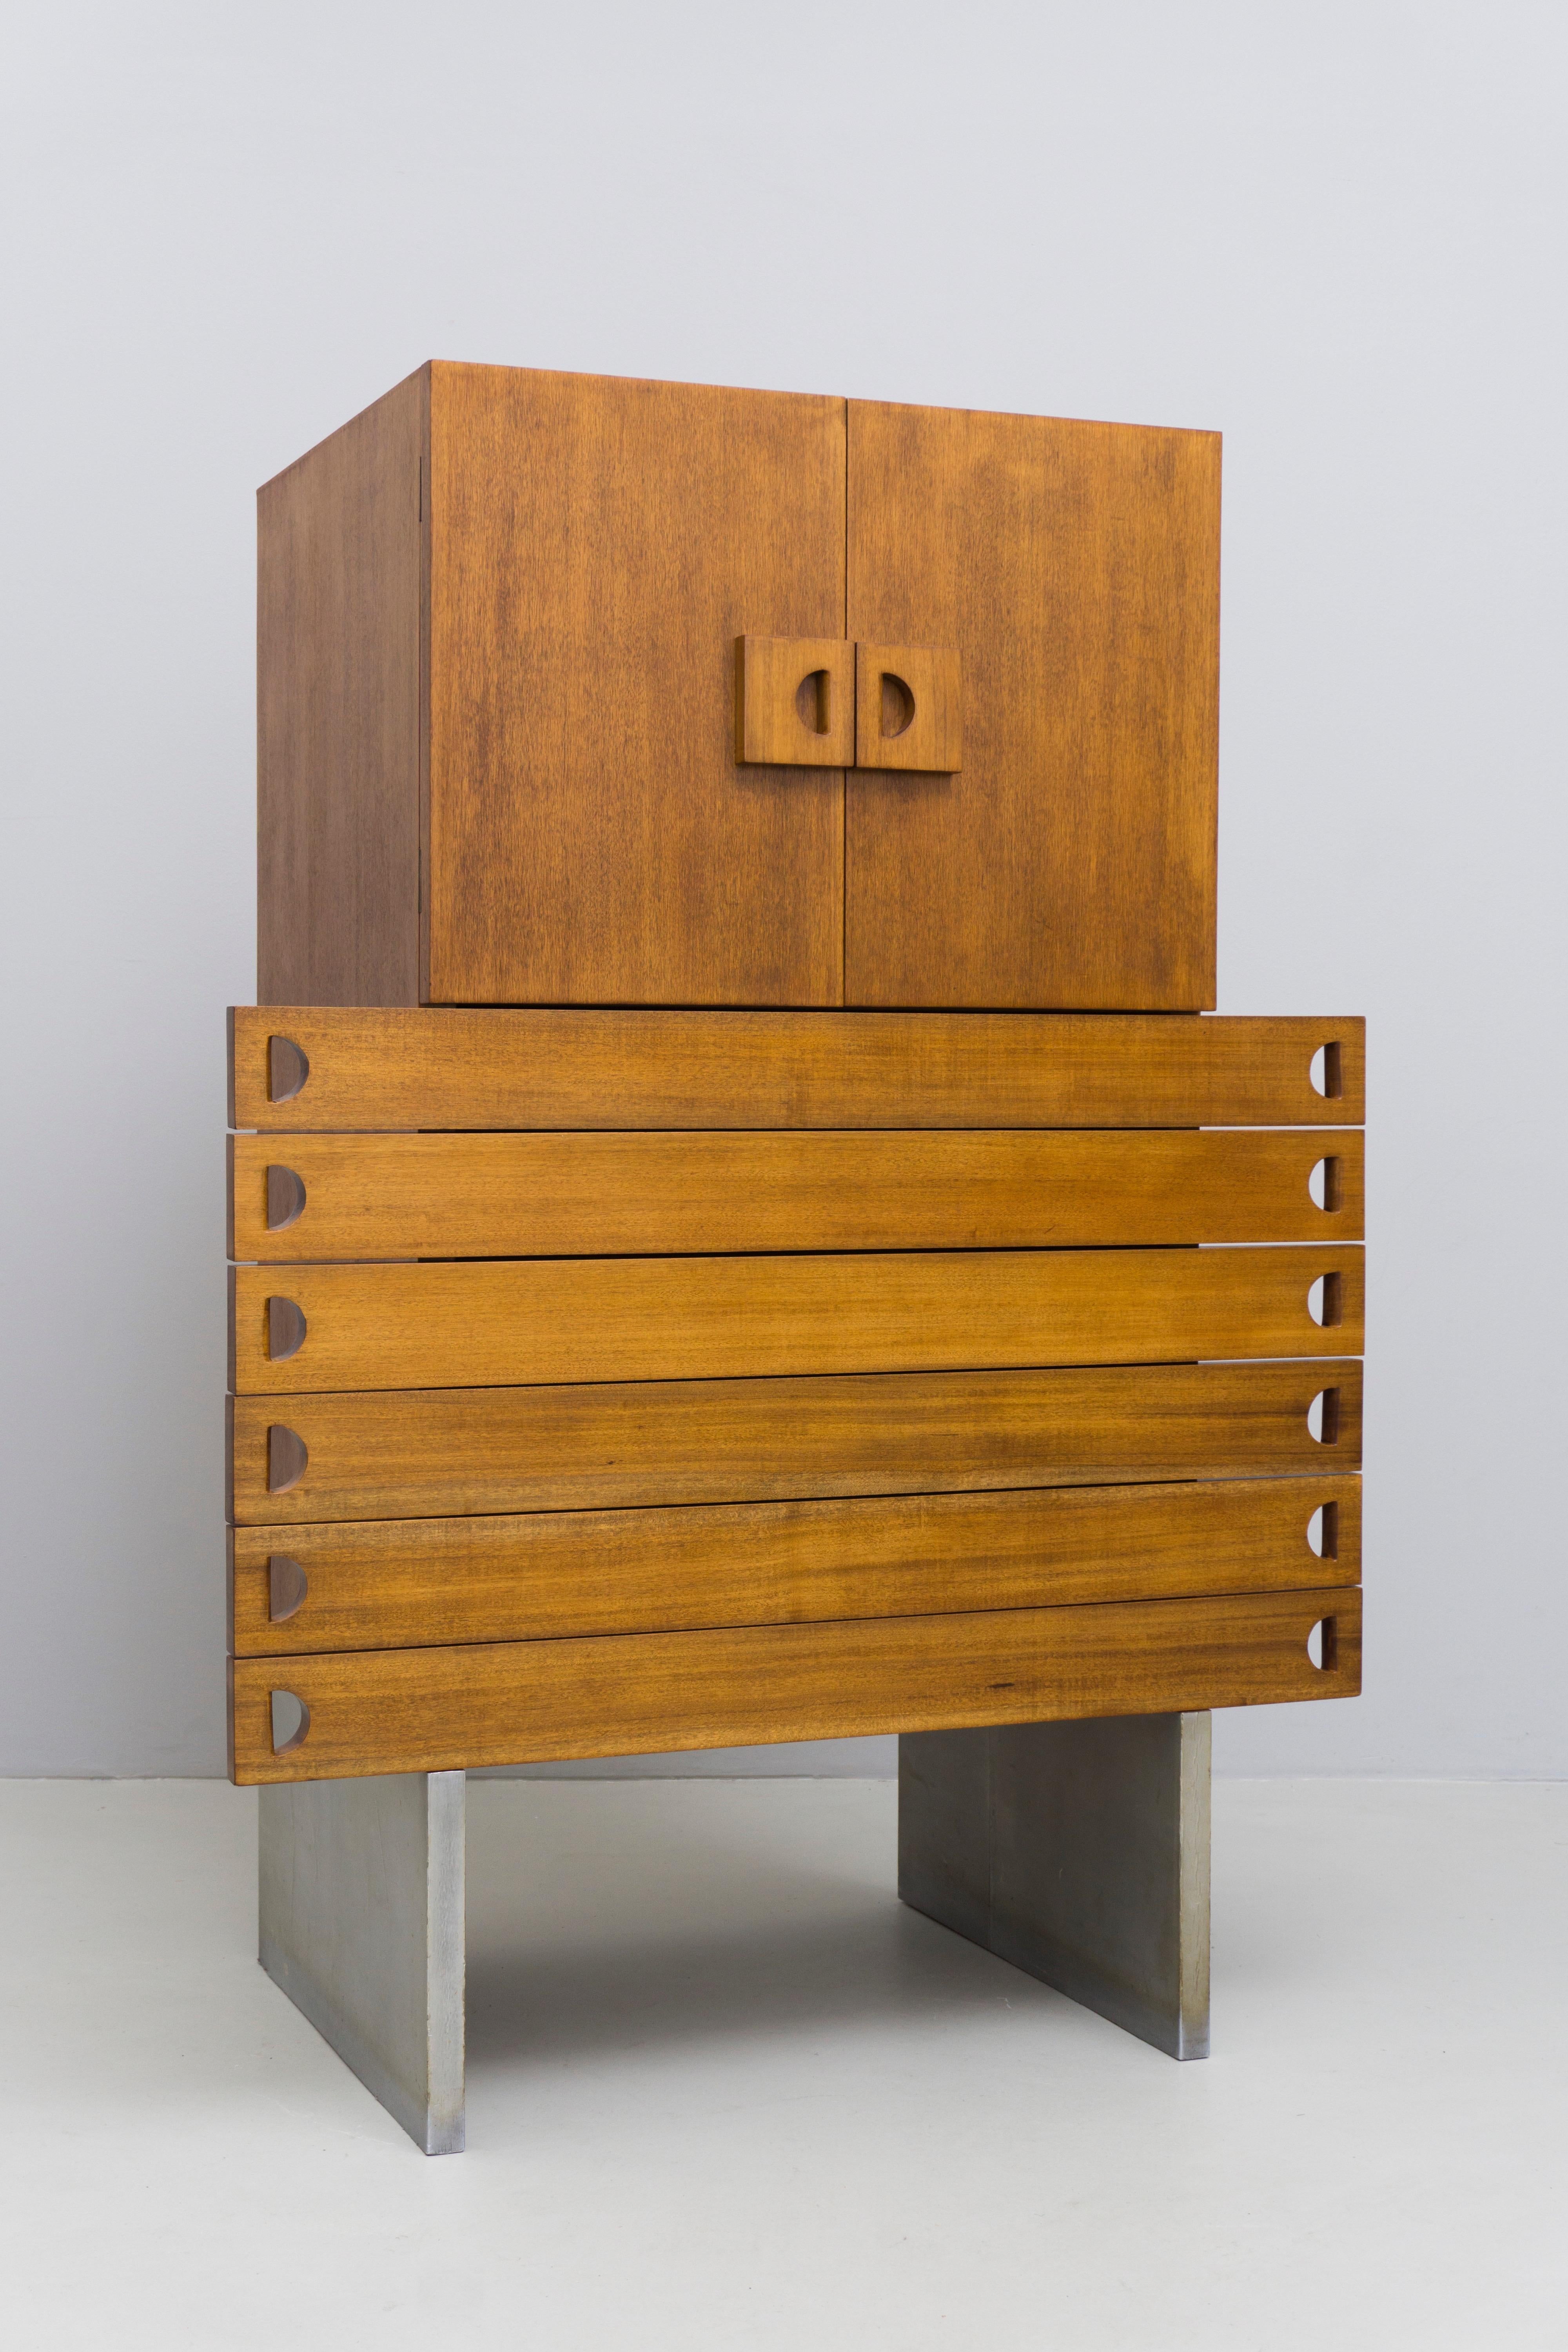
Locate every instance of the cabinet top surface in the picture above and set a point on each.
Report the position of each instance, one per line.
(443, 374)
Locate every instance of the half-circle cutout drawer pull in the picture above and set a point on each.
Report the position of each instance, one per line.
(1323, 1417)
(284, 1198)
(286, 1328)
(287, 1585)
(1326, 1072)
(287, 1455)
(1325, 1302)
(290, 1721)
(1323, 1531)
(1322, 1645)
(1324, 1185)
(287, 1067)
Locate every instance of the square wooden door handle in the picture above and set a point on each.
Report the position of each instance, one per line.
(795, 702)
(908, 708)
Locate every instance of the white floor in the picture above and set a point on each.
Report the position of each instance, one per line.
(724, 2092)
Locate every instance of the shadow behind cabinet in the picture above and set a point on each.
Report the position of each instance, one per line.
(498, 755)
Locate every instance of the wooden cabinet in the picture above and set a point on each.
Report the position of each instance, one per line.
(741, 1230)
(510, 755)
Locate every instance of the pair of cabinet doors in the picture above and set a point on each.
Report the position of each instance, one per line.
(498, 619)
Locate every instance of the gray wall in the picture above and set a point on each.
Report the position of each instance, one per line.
(1329, 231)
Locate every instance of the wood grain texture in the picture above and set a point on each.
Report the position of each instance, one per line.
(548, 1195)
(795, 702)
(558, 1068)
(339, 603)
(532, 1702)
(908, 708)
(484, 1323)
(399, 1583)
(597, 547)
(1076, 567)
(438, 1452)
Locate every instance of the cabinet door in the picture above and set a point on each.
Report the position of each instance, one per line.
(597, 546)
(1075, 569)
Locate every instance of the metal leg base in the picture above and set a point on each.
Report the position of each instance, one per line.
(362, 1926)
(1079, 1852)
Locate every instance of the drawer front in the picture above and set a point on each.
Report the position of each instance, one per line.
(298, 1198)
(426, 1710)
(389, 1583)
(436, 1452)
(580, 1068)
(563, 1319)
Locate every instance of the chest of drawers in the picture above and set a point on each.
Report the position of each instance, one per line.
(562, 1440)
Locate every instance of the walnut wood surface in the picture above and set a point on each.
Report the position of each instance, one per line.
(487, 1322)
(488, 1195)
(435, 1452)
(339, 582)
(597, 546)
(514, 1702)
(545, 1067)
(395, 1583)
(1076, 569)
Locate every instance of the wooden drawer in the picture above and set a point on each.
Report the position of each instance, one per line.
(601, 1194)
(435, 1452)
(445, 1709)
(389, 1583)
(588, 1319)
(544, 1067)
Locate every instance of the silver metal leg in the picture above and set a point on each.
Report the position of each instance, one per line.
(362, 1924)
(1077, 1851)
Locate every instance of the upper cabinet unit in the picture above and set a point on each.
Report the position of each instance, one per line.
(582, 692)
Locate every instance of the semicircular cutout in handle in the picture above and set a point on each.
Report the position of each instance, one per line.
(290, 1721)
(814, 702)
(898, 707)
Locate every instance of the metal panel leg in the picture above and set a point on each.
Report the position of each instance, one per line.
(1077, 1851)
(362, 1924)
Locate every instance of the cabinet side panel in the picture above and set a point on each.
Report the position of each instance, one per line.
(1075, 570)
(339, 574)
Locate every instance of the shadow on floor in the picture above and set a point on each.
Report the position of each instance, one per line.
(604, 1996)
(653, 1922)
